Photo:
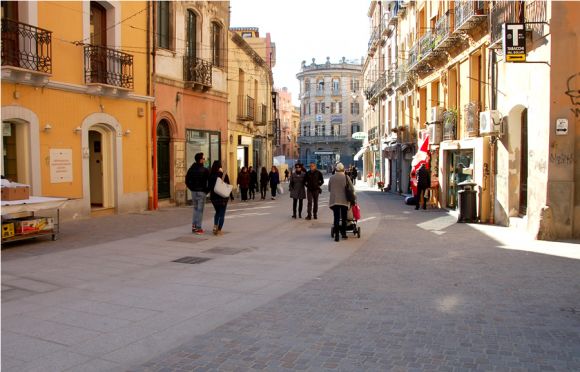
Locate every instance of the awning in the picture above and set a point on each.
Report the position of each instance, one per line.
(360, 152)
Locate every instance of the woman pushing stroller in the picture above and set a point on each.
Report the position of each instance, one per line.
(339, 185)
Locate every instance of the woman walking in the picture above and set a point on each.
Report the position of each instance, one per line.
(253, 182)
(297, 189)
(263, 182)
(244, 183)
(274, 178)
(219, 203)
(337, 200)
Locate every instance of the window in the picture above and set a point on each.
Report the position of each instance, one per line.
(246, 35)
(164, 24)
(320, 86)
(335, 85)
(216, 44)
(191, 34)
(335, 130)
(322, 108)
(354, 109)
(319, 130)
(336, 108)
(306, 85)
(354, 85)
(355, 127)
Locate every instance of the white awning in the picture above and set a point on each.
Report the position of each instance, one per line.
(360, 152)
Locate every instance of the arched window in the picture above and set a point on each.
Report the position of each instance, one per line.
(217, 45)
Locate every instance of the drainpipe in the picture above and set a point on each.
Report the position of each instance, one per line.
(148, 115)
(493, 141)
(154, 117)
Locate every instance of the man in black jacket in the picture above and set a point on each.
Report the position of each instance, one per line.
(196, 181)
(313, 181)
(423, 183)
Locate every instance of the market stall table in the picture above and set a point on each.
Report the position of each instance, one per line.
(29, 207)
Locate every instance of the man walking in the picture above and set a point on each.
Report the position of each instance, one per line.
(196, 181)
(423, 183)
(313, 182)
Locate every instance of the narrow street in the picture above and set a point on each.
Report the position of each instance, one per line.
(417, 291)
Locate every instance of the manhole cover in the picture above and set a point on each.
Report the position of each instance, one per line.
(188, 239)
(192, 260)
(226, 250)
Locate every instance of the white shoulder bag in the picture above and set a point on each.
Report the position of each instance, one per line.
(222, 189)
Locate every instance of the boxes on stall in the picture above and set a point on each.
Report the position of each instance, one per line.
(7, 229)
(31, 225)
(20, 192)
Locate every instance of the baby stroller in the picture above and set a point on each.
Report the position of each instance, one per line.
(351, 222)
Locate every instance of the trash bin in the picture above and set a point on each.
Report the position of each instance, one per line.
(467, 202)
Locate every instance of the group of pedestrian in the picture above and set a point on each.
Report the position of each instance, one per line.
(302, 184)
(201, 181)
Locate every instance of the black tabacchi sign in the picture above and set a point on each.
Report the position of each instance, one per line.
(514, 42)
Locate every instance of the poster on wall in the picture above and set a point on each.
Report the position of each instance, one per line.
(61, 165)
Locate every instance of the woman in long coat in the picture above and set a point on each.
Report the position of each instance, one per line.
(274, 178)
(244, 183)
(297, 189)
(337, 200)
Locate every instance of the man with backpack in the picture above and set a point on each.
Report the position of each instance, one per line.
(196, 181)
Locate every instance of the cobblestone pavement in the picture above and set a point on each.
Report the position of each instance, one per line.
(425, 294)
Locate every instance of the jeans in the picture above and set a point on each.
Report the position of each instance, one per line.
(340, 216)
(274, 189)
(299, 202)
(198, 201)
(220, 215)
(263, 191)
(312, 201)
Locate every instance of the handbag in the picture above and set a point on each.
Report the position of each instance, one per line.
(280, 189)
(356, 212)
(349, 191)
(222, 189)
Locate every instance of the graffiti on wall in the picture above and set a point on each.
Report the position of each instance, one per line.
(562, 159)
(573, 92)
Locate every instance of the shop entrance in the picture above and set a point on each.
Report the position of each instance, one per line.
(460, 168)
(15, 156)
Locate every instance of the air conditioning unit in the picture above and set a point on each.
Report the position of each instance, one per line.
(490, 122)
(436, 114)
(435, 133)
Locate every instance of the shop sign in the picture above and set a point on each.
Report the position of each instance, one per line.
(561, 127)
(359, 135)
(61, 165)
(514, 42)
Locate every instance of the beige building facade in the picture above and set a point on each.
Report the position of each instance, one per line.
(508, 127)
(251, 124)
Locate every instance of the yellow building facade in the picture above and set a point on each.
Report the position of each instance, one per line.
(75, 103)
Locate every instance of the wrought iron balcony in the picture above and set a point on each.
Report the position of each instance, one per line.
(197, 72)
(322, 139)
(469, 14)
(391, 76)
(503, 11)
(401, 75)
(378, 87)
(26, 47)
(413, 57)
(393, 15)
(108, 67)
(375, 36)
(425, 45)
(246, 107)
(443, 36)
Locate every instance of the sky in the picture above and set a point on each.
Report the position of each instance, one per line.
(303, 30)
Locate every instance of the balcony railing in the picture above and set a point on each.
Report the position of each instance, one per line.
(503, 11)
(401, 75)
(108, 66)
(375, 35)
(378, 86)
(25, 46)
(246, 107)
(322, 139)
(391, 76)
(468, 14)
(425, 45)
(413, 56)
(449, 125)
(443, 36)
(197, 71)
(536, 11)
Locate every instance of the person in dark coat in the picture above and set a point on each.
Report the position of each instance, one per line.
(196, 181)
(423, 183)
(297, 190)
(337, 200)
(313, 181)
(244, 183)
(263, 182)
(274, 178)
(219, 202)
(253, 182)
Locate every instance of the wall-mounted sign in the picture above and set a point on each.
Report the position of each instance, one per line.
(61, 165)
(514, 42)
(319, 117)
(359, 135)
(561, 127)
